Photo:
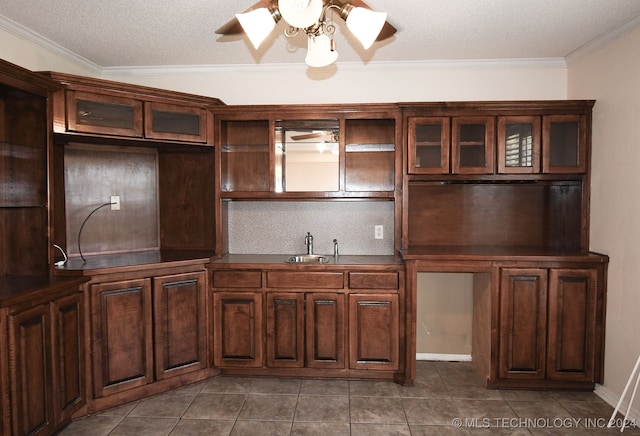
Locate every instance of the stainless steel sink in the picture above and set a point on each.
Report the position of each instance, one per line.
(308, 258)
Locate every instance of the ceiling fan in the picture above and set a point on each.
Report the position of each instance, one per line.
(332, 136)
(312, 17)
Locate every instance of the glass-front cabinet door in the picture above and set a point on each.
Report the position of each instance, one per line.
(564, 144)
(244, 156)
(518, 144)
(89, 112)
(429, 145)
(472, 145)
(173, 122)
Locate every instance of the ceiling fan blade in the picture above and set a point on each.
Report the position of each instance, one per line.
(310, 136)
(233, 27)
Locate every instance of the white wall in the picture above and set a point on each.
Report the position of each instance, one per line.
(612, 77)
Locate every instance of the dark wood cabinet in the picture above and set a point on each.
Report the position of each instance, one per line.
(325, 330)
(92, 112)
(373, 331)
(472, 145)
(305, 330)
(122, 335)
(45, 346)
(175, 122)
(572, 335)
(518, 144)
(180, 329)
(308, 152)
(285, 337)
(523, 323)
(429, 150)
(68, 346)
(238, 339)
(564, 144)
(32, 408)
(548, 324)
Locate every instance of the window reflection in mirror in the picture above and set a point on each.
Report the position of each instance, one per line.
(307, 155)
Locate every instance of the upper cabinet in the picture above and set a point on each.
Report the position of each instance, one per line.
(25, 148)
(497, 138)
(98, 107)
(308, 152)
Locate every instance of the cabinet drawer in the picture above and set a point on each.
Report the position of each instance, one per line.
(237, 279)
(382, 280)
(305, 280)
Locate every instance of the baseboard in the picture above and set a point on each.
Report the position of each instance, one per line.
(444, 357)
(612, 399)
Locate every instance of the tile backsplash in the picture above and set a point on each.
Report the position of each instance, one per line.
(257, 227)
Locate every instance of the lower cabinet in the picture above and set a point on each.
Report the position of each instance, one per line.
(237, 331)
(46, 364)
(340, 322)
(305, 330)
(373, 331)
(147, 329)
(547, 322)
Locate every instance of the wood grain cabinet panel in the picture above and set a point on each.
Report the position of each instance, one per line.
(89, 112)
(373, 331)
(325, 330)
(68, 351)
(523, 321)
(179, 324)
(122, 335)
(31, 371)
(572, 324)
(238, 329)
(285, 330)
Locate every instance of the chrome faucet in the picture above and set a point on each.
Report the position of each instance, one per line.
(308, 241)
(335, 248)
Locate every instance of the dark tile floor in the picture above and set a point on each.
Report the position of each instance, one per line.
(447, 399)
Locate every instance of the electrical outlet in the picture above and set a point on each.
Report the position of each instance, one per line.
(378, 231)
(115, 202)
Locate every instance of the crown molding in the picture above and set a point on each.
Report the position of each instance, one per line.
(473, 64)
(604, 39)
(56, 49)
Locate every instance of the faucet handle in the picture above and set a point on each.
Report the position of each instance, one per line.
(335, 248)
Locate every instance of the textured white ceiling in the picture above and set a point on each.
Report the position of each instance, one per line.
(136, 33)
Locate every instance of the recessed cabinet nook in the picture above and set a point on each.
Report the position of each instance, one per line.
(116, 280)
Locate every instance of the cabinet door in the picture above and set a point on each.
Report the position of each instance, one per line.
(122, 336)
(429, 145)
(245, 156)
(237, 331)
(370, 155)
(523, 320)
(174, 122)
(564, 144)
(518, 145)
(179, 324)
(103, 114)
(30, 371)
(572, 324)
(285, 330)
(325, 330)
(373, 331)
(472, 145)
(68, 353)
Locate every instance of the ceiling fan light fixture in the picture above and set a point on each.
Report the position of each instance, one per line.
(320, 51)
(300, 13)
(257, 24)
(364, 23)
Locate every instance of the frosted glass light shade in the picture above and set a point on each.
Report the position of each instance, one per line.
(257, 24)
(319, 53)
(300, 13)
(366, 24)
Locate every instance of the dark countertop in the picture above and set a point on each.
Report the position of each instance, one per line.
(264, 260)
(134, 260)
(497, 253)
(34, 289)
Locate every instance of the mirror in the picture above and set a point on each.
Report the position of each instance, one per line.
(307, 155)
